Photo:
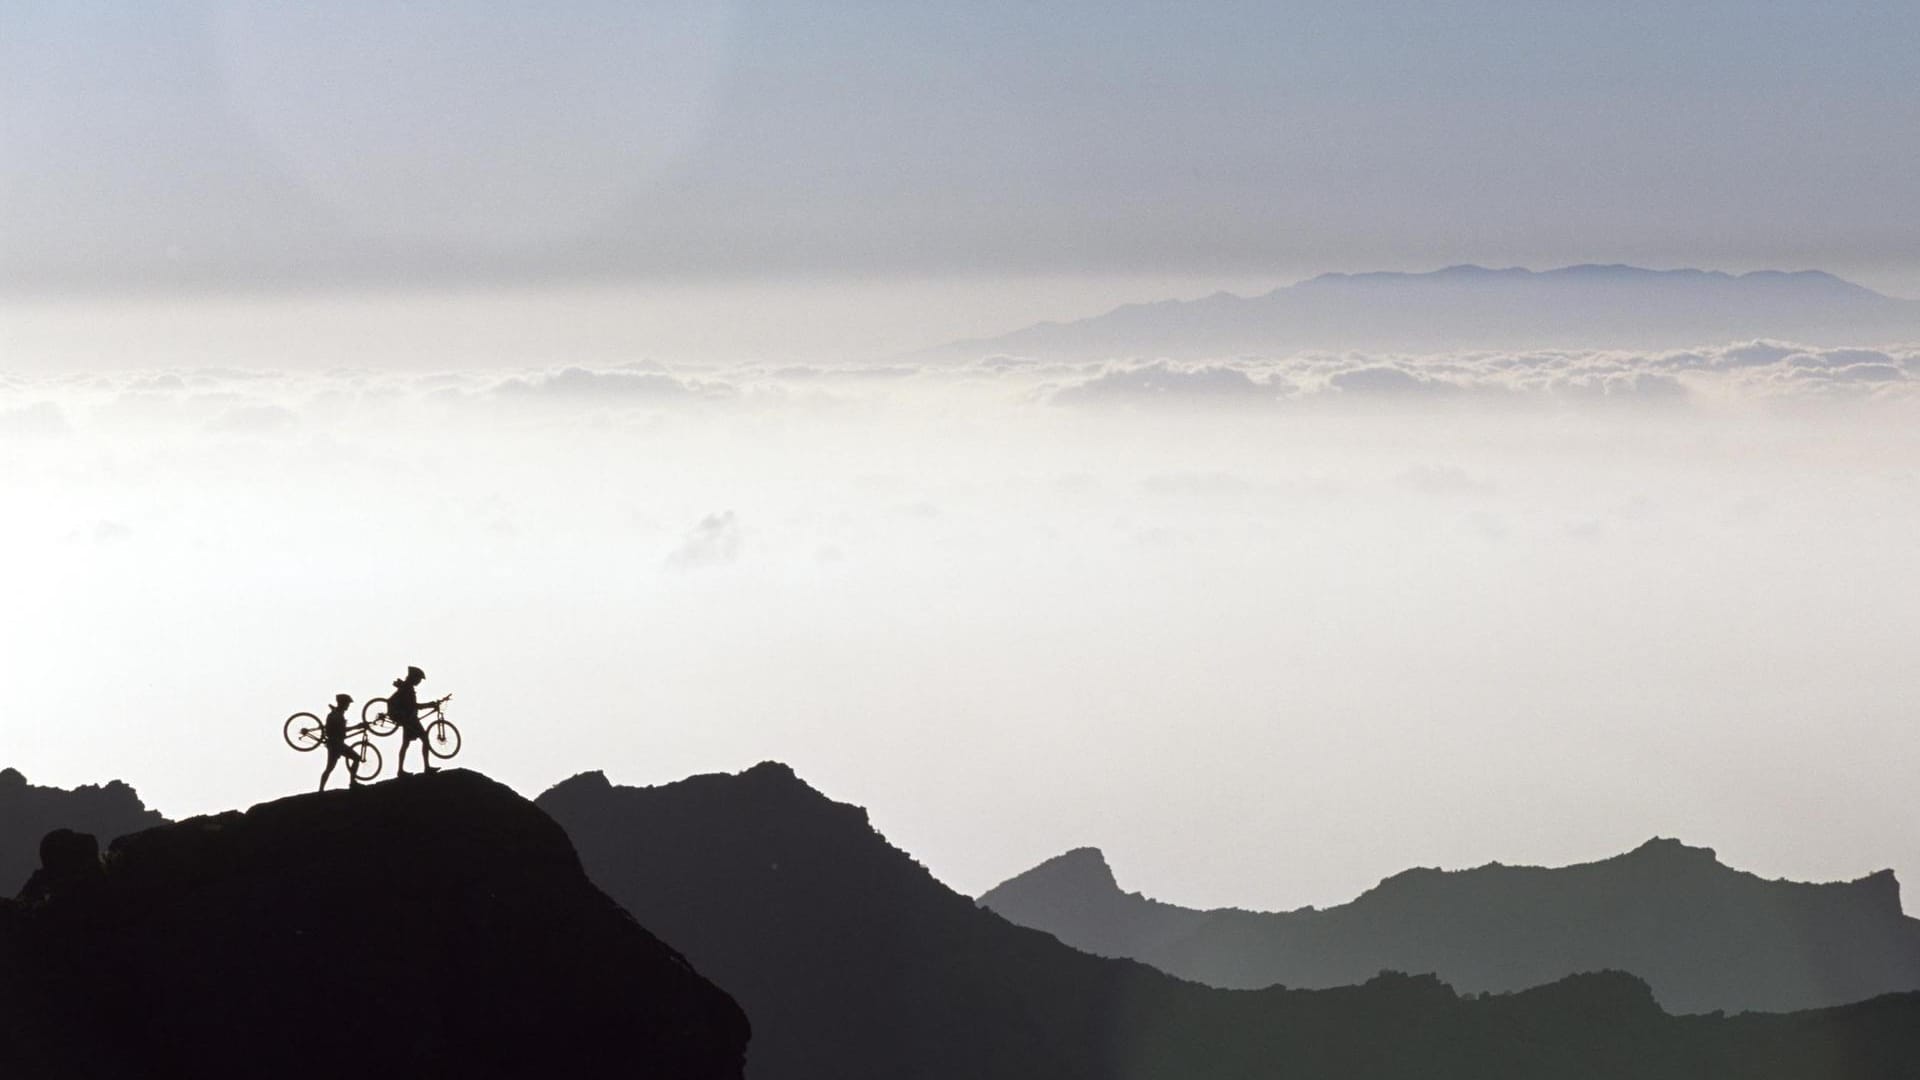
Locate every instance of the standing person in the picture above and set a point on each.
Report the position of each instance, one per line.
(404, 707)
(334, 734)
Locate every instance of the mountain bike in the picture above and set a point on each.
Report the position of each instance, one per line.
(374, 715)
(443, 739)
(305, 731)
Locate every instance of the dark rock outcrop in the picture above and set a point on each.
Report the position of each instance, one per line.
(435, 927)
(856, 963)
(29, 812)
(69, 865)
(1703, 936)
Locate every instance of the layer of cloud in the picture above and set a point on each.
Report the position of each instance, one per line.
(1211, 384)
(312, 404)
(622, 384)
(1747, 370)
(254, 420)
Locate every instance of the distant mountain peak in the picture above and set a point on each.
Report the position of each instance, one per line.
(1663, 847)
(1081, 868)
(777, 782)
(1466, 305)
(591, 780)
(775, 772)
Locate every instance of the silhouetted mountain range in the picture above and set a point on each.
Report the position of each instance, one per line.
(432, 927)
(1702, 935)
(1471, 307)
(855, 962)
(29, 811)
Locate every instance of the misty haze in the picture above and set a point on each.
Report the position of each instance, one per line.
(1405, 513)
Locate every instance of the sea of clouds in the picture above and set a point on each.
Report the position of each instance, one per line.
(1352, 612)
(243, 401)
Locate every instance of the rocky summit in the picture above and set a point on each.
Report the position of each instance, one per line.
(438, 926)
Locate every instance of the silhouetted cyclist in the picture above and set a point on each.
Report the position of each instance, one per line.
(404, 707)
(334, 734)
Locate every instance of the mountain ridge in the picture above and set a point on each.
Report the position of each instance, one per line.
(856, 962)
(1706, 936)
(1467, 306)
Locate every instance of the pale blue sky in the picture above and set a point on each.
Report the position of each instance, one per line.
(247, 145)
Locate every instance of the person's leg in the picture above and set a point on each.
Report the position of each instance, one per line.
(353, 767)
(406, 740)
(332, 756)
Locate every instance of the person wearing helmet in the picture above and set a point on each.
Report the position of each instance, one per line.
(334, 734)
(403, 705)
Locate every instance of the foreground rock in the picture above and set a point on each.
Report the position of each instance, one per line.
(434, 927)
(856, 963)
(1705, 937)
(28, 812)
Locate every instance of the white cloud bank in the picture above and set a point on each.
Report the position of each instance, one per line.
(1526, 606)
(1756, 373)
(1758, 370)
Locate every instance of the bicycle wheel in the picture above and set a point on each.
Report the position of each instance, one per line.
(302, 731)
(374, 715)
(443, 738)
(370, 761)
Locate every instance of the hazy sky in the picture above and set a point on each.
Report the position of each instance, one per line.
(516, 345)
(254, 145)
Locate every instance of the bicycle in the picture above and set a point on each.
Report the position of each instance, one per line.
(443, 739)
(305, 732)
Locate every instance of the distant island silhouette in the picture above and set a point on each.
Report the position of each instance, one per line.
(1705, 937)
(1473, 307)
